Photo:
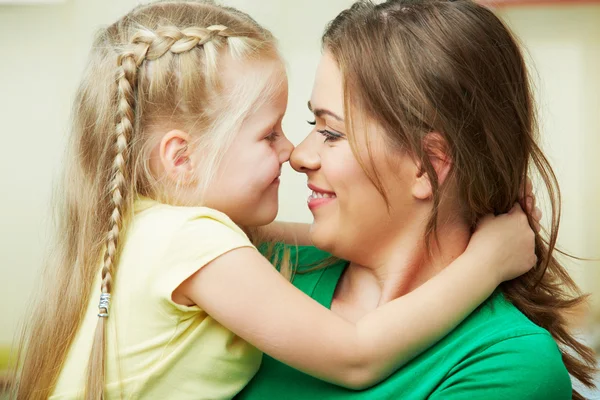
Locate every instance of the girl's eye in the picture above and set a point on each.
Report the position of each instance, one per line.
(312, 122)
(330, 136)
(272, 137)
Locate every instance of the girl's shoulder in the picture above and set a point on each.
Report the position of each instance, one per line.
(160, 218)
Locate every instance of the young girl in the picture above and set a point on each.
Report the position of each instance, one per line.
(176, 153)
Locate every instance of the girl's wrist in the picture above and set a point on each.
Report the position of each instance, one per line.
(481, 265)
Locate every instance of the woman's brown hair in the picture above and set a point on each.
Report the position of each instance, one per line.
(453, 67)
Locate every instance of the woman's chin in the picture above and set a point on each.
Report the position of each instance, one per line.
(321, 237)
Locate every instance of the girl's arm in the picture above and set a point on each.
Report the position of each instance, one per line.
(243, 291)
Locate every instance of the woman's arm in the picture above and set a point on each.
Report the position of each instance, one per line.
(243, 292)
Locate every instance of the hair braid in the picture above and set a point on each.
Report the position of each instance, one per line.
(128, 63)
(147, 45)
(175, 40)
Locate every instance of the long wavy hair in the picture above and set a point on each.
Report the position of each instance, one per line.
(160, 62)
(453, 67)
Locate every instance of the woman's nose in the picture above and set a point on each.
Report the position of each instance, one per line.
(305, 158)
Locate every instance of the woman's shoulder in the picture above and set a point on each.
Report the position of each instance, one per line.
(520, 366)
(499, 321)
(502, 354)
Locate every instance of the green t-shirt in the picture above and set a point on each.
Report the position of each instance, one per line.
(496, 353)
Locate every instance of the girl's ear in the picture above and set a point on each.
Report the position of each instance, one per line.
(176, 157)
(437, 150)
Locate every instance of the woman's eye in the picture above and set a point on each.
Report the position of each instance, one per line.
(330, 136)
(273, 136)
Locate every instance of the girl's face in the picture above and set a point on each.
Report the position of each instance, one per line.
(351, 217)
(247, 180)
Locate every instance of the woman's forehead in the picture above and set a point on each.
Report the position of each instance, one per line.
(328, 91)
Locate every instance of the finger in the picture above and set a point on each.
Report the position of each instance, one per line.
(536, 226)
(516, 208)
(537, 217)
(535, 261)
(529, 204)
(537, 214)
(528, 187)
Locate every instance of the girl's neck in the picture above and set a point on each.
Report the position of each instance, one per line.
(405, 267)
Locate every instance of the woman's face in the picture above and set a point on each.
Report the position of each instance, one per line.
(351, 217)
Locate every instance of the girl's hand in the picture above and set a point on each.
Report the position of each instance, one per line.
(506, 243)
(528, 203)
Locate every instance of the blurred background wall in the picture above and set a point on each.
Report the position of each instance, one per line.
(44, 48)
(563, 46)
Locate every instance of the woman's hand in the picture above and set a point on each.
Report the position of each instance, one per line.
(506, 243)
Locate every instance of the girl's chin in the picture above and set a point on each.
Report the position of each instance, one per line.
(265, 216)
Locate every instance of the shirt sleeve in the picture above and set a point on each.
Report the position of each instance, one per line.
(202, 238)
(527, 367)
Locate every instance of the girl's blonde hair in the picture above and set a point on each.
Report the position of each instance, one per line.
(159, 64)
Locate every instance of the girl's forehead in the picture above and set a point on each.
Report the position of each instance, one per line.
(252, 83)
(247, 72)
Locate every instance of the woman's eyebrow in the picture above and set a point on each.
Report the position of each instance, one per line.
(319, 112)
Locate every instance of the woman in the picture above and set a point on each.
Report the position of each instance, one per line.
(424, 112)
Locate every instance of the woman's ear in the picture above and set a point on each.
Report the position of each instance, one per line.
(436, 148)
(176, 157)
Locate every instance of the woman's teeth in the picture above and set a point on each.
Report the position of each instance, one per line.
(318, 195)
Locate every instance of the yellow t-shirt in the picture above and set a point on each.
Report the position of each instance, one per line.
(157, 349)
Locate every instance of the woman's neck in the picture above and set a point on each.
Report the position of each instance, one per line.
(403, 266)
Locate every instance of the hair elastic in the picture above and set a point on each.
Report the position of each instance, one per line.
(104, 303)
